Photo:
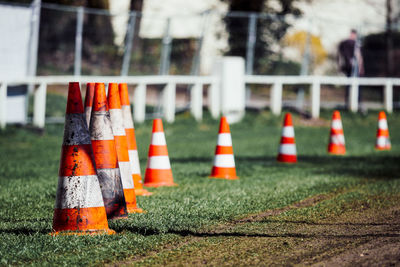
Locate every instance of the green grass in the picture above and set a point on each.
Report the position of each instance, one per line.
(29, 167)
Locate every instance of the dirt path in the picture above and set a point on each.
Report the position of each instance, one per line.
(358, 234)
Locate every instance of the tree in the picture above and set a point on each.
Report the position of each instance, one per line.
(270, 29)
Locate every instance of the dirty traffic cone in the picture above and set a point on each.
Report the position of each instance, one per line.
(131, 138)
(158, 170)
(89, 101)
(114, 105)
(105, 156)
(224, 161)
(79, 205)
(336, 141)
(382, 133)
(287, 147)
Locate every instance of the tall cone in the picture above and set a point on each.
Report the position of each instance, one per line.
(89, 101)
(105, 156)
(336, 141)
(114, 105)
(131, 138)
(382, 133)
(79, 207)
(224, 161)
(158, 170)
(287, 148)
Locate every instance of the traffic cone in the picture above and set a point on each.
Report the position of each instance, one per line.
(130, 135)
(79, 207)
(287, 147)
(114, 105)
(336, 141)
(89, 101)
(158, 170)
(105, 156)
(382, 133)
(224, 161)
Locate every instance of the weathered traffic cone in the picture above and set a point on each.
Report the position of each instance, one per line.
(382, 133)
(287, 147)
(131, 138)
(105, 156)
(158, 170)
(114, 105)
(79, 207)
(336, 140)
(89, 101)
(224, 161)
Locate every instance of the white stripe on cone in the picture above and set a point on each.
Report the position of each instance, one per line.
(287, 149)
(382, 141)
(224, 139)
(101, 131)
(126, 174)
(382, 124)
(117, 122)
(134, 160)
(159, 162)
(224, 161)
(158, 139)
(288, 131)
(337, 124)
(337, 139)
(126, 114)
(76, 131)
(78, 192)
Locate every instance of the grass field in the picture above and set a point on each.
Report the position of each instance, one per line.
(178, 218)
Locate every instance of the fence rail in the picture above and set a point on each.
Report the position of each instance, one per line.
(196, 86)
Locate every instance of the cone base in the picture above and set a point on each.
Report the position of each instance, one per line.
(143, 192)
(159, 184)
(224, 177)
(287, 158)
(383, 148)
(136, 210)
(336, 150)
(87, 232)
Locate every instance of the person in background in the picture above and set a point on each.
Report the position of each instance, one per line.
(350, 59)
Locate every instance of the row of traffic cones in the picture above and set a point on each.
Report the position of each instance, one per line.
(336, 146)
(100, 177)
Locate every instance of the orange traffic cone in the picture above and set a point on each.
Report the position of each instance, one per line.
(224, 161)
(382, 134)
(287, 147)
(79, 205)
(114, 105)
(88, 101)
(130, 135)
(105, 156)
(336, 141)
(158, 170)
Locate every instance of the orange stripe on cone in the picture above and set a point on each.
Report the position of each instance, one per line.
(131, 141)
(224, 162)
(105, 155)
(114, 104)
(382, 133)
(79, 205)
(287, 148)
(158, 170)
(336, 144)
(88, 101)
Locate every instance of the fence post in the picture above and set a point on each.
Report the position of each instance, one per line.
(78, 41)
(196, 101)
(166, 50)
(139, 103)
(315, 98)
(276, 97)
(126, 61)
(388, 95)
(3, 105)
(168, 101)
(353, 95)
(251, 41)
(214, 100)
(34, 39)
(39, 106)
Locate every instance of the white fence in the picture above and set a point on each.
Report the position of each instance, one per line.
(197, 83)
